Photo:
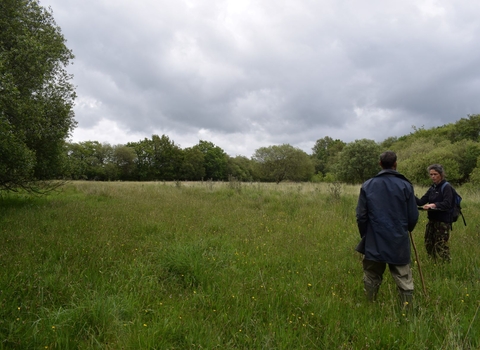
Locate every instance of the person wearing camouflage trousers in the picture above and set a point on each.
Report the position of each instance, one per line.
(438, 202)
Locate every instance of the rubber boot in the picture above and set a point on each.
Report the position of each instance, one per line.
(371, 292)
(406, 299)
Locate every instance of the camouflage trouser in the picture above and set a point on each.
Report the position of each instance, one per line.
(436, 239)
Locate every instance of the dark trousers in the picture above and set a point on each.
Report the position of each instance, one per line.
(437, 234)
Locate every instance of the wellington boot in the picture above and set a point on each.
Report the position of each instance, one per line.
(370, 292)
(406, 299)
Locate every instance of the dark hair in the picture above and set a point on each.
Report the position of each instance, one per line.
(388, 159)
(438, 168)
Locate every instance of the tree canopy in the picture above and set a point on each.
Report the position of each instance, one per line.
(358, 161)
(36, 95)
(284, 162)
(159, 158)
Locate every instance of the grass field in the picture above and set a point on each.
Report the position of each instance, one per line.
(218, 266)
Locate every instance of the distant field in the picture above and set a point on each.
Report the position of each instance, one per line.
(211, 265)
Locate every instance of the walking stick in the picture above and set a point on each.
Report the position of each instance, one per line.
(418, 263)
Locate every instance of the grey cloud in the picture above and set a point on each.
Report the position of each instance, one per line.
(279, 72)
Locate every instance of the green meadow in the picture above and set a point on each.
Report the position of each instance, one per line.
(113, 265)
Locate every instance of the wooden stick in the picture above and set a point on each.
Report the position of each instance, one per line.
(418, 263)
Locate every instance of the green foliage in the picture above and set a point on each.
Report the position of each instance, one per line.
(157, 159)
(475, 175)
(358, 161)
(36, 96)
(325, 151)
(459, 159)
(167, 158)
(144, 160)
(466, 129)
(466, 152)
(415, 167)
(389, 142)
(89, 160)
(18, 160)
(241, 168)
(123, 159)
(215, 160)
(316, 178)
(193, 164)
(284, 162)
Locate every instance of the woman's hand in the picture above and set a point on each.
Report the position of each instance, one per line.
(429, 206)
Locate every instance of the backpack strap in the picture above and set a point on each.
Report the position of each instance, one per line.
(443, 186)
(454, 200)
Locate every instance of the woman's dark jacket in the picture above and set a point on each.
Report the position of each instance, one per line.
(443, 200)
(386, 212)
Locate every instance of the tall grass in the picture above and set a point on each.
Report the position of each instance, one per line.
(218, 266)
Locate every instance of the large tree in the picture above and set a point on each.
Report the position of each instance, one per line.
(284, 162)
(167, 158)
(324, 152)
(158, 158)
(193, 164)
(215, 160)
(241, 168)
(358, 161)
(124, 158)
(89, 160)
(36, 95)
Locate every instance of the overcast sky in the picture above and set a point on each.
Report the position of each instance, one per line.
(249, 74)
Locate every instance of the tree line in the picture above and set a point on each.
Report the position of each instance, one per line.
(456, 146)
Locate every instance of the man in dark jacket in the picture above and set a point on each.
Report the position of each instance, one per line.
(386, 212)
